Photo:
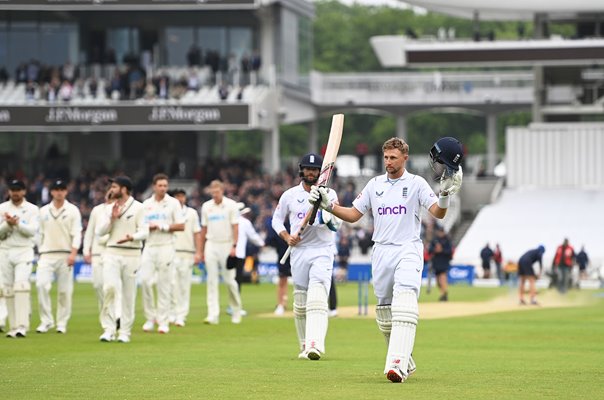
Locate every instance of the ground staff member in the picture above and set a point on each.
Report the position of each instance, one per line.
(312, 257)
(125, 224)
(164, 217)
(60, 240)
(19, 222)
(219, 234)
(395, 200)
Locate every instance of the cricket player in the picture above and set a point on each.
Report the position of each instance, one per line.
(163, 214)
(60, 240)
(395, 200)
(188, 254)
(19, 223)
(124, 223)
(219, 235)
(312, 257)
(94, 246)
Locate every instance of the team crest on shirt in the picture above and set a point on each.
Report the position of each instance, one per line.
(405, 190)
(379, 194)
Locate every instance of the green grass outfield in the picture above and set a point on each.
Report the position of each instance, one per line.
(531, 354)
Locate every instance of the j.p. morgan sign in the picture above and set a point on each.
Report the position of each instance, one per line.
(99, 5)
(125, 117)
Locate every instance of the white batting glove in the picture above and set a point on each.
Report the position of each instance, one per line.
(330, 220)
(452, 184)
(319, 194)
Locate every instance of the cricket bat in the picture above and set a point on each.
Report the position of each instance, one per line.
(329, 164)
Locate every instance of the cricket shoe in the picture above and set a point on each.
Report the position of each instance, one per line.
(149, 326)
(280, 310)
(179, 322)
(12, 334)
(123, 338)
(107, 336)
(313, 354)
(236, 318)
(21, 332)
(395, 375)
(163, 329)
(43, 328)
(210, 321)
(61, 329)
(303, 355)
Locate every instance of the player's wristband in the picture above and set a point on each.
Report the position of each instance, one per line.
(444, 201)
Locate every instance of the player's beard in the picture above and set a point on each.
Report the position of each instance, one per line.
(310, 179)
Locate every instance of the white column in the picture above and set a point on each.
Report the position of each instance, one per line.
(401, 127)
(267, 40)
(313, 136)
(203, 146)
(491, 142)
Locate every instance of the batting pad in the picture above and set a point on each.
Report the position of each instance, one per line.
(405, 314)
(383, 317)
(316, 317)
(9, 295)
(22, 290)
(300, 315)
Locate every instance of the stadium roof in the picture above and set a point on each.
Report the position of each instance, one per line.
(512, 9)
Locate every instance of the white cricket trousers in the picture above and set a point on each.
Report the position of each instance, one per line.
(119, 280)
(181, 284)
(396, 268)
(96, 263)
(156, 269)
(15, 269)
(216, 254)
(48, 267)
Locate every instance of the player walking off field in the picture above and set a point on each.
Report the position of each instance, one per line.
(188, 254)
(311, 257)
(164, 216)
(125, 224)
(219, 234)
(19, 222)
(60, 240)
(94, 246)
(395, 200)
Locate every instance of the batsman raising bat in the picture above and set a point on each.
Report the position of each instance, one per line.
(312, 247)
(395, 200)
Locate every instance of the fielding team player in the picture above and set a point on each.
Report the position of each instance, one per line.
(60, 240)
(164, 216)
(188, 254)
(312, 257)
(125, 224)
(395, 200)
(19, 222)
(219, 234)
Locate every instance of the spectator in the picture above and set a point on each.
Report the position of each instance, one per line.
(361, 149)
(66, 91)
(194, 55)
(223, 92)
(486, 254)
(563, 264)
(343, 247)
(3, 75)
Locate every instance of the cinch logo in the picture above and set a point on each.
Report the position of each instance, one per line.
(396, 210)
(301, 215)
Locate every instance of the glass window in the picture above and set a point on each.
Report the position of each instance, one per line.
(214, 39)
(240, 41)
(58, 43)
(304, 46)
(178, 43)
(22, 43)
(123, 41)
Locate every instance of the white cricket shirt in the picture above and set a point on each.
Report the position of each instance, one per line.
(164, 212)
(93, 243)
(396, 207)
(24, 233)
(219, 219)
(294, 205)
(131, 221)
(185, 240)
(246, 232)
(60, 228)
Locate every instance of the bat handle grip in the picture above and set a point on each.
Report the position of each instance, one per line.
(285, 255)
(313, 215)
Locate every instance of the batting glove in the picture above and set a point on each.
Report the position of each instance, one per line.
(330, 220)
(452, 184)
(319, 194)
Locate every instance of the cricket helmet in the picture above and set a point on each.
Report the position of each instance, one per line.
(446, 156)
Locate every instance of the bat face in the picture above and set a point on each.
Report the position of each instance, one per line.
(333, 146)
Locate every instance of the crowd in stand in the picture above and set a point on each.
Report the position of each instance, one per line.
(132, 81)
